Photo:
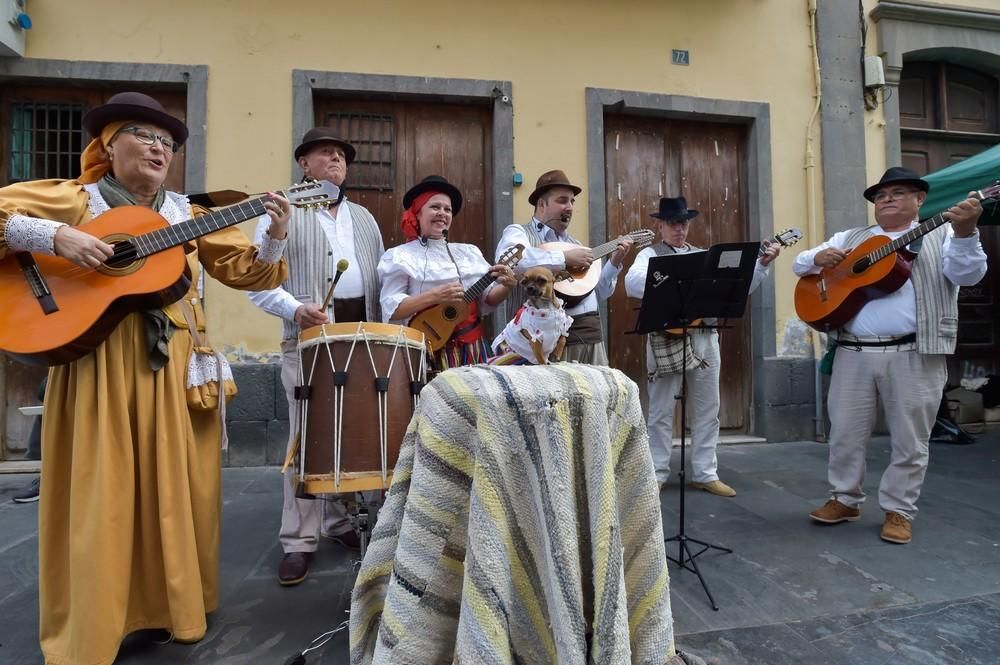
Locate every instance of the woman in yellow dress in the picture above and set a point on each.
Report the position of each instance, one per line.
(130, 495)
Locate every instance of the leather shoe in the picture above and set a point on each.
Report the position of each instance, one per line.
(348, 540)
(293, 568)
(896, 529)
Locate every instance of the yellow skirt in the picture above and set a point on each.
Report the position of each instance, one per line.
(130, 501)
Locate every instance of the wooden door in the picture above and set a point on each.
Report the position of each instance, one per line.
(704, 162)
(947, 114)
(400, 143)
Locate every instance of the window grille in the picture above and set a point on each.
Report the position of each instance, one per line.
(372, 136)
(46, 140)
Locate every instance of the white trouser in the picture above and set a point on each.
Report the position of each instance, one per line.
(301, 518)
(702, 411)
(910, 385)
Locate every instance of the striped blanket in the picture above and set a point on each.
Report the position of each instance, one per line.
(522, 526)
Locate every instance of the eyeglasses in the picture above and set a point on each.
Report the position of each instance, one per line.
(892, 195)
(149, 138)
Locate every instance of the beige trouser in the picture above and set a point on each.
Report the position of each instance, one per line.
(909, 385)
(588, 354)
(301, 518)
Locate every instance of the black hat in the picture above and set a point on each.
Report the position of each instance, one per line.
(897, 175)
(674, 209)
(318, 135)
(434, 183)
(133, 106)
(547, 181)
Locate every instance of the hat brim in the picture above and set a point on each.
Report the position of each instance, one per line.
(922, 185)
(690, 214)
(443, 187)
(349, 152)
(99, 118)
(533, 198)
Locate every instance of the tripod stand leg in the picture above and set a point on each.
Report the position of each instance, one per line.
(690, 564)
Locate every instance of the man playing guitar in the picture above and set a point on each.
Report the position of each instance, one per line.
(895, 347)
(703, 380)
(553, 198)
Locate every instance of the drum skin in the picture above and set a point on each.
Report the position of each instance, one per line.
(364, 351)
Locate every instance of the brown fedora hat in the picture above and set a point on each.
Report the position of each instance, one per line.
(318, 135)
(133, 106)
(434, 183)
(551, 179)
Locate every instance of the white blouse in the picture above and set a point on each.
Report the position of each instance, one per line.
(411, 269)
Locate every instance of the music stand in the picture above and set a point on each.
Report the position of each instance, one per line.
(681, 288)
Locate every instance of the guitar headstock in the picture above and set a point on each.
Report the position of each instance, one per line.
(642, 237)
(314, 194)
(511, 256)
(788, 237)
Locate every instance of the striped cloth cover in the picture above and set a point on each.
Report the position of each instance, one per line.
(522, 526)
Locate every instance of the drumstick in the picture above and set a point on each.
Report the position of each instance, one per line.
(341, 269)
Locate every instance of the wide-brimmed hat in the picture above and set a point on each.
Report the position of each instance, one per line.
(134, 106)
(674, 209)
(897, 175)
(318, 135)
(434, 183)
(551, 179)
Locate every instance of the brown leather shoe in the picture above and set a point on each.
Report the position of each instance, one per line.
(834, 512)
(896, 529)
(293, 568)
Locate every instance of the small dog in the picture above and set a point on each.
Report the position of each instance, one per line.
(539, 329)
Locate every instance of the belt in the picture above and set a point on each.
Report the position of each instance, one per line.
(878, 343)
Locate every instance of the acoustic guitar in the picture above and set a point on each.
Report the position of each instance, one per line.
(438, 322)
(581, 281)
(875, 268)
(56, 311)
(786, 238)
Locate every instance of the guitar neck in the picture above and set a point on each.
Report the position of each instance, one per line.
(178, 234)
(921, 229)
(604, 249)
(477, 289)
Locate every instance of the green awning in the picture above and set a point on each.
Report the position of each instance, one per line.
(952, 184)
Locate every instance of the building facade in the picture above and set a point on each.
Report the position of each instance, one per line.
(757, 112)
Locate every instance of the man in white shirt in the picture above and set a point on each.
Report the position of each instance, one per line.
(702, 381)
(554, 197)
(318, 241)
(894, 348)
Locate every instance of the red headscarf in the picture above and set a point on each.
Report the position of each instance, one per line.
(409, 223)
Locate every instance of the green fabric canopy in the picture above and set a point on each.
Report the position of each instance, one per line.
(953, 183)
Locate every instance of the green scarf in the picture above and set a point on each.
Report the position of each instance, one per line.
(159, 330)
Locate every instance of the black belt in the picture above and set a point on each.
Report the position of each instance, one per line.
(905, 339)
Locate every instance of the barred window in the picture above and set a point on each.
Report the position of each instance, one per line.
(46, 140)
(372, 135)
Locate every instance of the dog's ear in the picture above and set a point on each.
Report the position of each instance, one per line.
(562, 275)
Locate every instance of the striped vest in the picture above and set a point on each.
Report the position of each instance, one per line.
(937, 297)
(311, 269)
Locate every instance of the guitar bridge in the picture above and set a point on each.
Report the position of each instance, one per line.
(822, 288)
(36, 280)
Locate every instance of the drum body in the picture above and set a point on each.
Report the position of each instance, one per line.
(359, 384)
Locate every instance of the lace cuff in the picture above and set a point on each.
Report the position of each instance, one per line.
(31, 234)
(271, 249)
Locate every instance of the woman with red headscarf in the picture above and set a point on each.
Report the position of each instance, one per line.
(428, 270)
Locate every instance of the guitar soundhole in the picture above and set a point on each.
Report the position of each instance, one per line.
(450, 313)
(861, 266)
(125, 260)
